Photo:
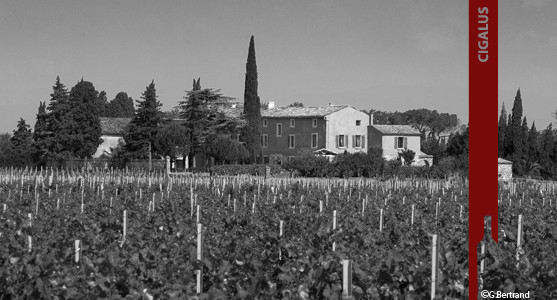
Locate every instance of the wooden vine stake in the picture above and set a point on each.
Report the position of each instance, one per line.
(381, 220)
(347, 293)
(519, 238)
(281, 225)
(29, 237)
(36, 204)
(77, 245)
(434, 264)
(198, 214)
(125, 225)
(334, 227)
(413, 211)
(200, 257)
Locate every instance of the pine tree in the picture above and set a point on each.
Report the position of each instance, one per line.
(120, 107)
(102, 104)
(20, 150)
(40, 136)
(252, 107)
(502, 130)
(204, 117)
(142, 131)
(80, 129)
(58, 108)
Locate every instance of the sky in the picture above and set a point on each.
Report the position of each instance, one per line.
(528, 58)
(370, 54)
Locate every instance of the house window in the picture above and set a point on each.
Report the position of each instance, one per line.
(400, 142)
(264, 122)
(314, 122)
(266, 160)
(264, 140)
(358, 122)
(342, 141)
(357, 141)
(291, 141)
(292, 122)
(314, 140)
(279, 129)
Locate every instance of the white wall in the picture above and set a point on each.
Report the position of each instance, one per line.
(344, 122)
(388, 142)
(108, 142)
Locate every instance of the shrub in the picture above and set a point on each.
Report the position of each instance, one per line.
(232, 170)
(407, 155)
(308, 164)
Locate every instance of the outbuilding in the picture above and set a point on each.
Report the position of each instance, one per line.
(505, 169)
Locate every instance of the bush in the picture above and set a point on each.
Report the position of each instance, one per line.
(232, 170)
(307, 164)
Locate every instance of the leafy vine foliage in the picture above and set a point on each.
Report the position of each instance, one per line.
(241, 241)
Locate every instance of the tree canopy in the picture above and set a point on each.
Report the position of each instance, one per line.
(141, 134)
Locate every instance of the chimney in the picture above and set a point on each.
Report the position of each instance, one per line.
(271, 105)
(371, 118)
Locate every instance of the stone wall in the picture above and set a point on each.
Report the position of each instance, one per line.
(505, 171)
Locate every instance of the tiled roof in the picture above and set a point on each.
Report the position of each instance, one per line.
(504, 161)
(234, 112)
(114, 126)
(297, 112)
(396, 129)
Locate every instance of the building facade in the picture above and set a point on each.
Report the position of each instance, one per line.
(505, 169)
(112, 132)
(289, 131)
(393, 139)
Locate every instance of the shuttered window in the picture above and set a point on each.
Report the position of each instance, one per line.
(342, 141)
(401, 142)
(314, 137)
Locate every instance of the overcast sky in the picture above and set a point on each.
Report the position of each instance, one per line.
(383, 55)
(528, 57)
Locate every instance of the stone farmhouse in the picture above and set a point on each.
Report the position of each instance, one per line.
(393, 139)
(289, 131)
(112, 131)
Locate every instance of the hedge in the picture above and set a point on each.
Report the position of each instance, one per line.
(232, 170)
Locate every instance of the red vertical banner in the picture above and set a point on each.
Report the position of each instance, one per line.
(483, 88)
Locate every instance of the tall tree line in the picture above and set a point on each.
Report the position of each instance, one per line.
(532, 152)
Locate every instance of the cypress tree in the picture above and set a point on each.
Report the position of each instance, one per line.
(516, 151)
(502, 130)
(533, 149)
(252, 107)
(546, 155)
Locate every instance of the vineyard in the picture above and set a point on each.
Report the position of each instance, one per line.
(120, 235)
(524, 259)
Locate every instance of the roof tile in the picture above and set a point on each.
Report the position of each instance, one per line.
(396, 129)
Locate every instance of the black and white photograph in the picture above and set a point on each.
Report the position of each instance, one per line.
(524, 262)
(264, 150)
